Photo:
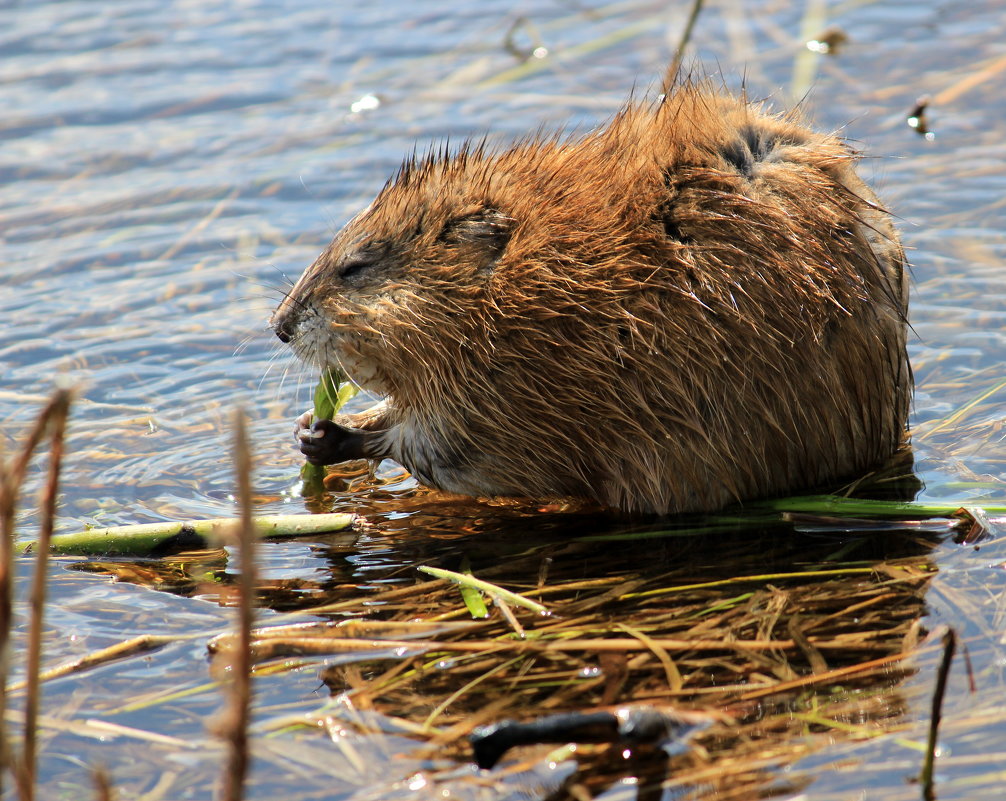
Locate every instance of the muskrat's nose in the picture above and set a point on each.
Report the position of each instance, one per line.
(283, 325)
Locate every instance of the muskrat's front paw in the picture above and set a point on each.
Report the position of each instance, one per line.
(323, 442)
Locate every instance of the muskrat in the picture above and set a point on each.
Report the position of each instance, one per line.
(698, 304)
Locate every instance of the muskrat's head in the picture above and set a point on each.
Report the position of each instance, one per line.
(406, 281)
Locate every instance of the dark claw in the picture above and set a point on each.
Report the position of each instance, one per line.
(326, 442)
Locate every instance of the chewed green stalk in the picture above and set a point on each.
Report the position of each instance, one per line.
(157, 539)
(332, 392)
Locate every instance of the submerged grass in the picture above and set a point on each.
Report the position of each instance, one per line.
(789, 659)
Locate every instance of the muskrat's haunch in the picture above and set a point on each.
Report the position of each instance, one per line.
(700, 303)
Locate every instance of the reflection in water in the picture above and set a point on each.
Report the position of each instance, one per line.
(785, 636)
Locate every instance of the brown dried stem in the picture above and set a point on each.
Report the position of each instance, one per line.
(60, 408)
(236, 722)
(672, 72)
(926, 777)
(120, 650)
(11, 479)
(103, 785)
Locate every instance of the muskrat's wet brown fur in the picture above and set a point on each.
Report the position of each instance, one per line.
(698, 304)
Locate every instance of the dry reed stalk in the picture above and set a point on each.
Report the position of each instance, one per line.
(926, 776)
(11, 478)
(121, 650)
(672, 72)
(276, 647)
(57, 422)
(102, 785)
(238, 713)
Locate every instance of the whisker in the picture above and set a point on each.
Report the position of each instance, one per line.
(281, 291)
(269, 299)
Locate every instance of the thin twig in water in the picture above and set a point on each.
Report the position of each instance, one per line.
(60, 410)
(493, 590)
(958, 414)
(236, 722)
(679, 54)
(121, 650)
(926, 778)
(11, 479)
(102, 785)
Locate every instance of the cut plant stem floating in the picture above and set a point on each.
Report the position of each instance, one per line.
(466, 580)
(330, 395)
(866, 507)
(158, 539)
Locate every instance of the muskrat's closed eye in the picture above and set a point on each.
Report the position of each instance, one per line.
(356, 266)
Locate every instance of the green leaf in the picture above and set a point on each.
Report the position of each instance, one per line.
(471, 596)
(329, 396)
(492, 590)
(326, 394)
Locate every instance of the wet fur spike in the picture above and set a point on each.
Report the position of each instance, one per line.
(698, 304)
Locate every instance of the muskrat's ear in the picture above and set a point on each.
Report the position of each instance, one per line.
(487, 228)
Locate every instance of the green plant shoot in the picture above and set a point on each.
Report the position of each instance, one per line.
(329, 396)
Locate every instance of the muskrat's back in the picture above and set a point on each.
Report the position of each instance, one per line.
(696, 305)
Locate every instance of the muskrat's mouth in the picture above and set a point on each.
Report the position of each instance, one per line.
(363, 372)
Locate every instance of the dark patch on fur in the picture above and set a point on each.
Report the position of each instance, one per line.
(665, 212)
(754, 144)
(739, 153)
(830, 335)
(671, 229)
(707, 414)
